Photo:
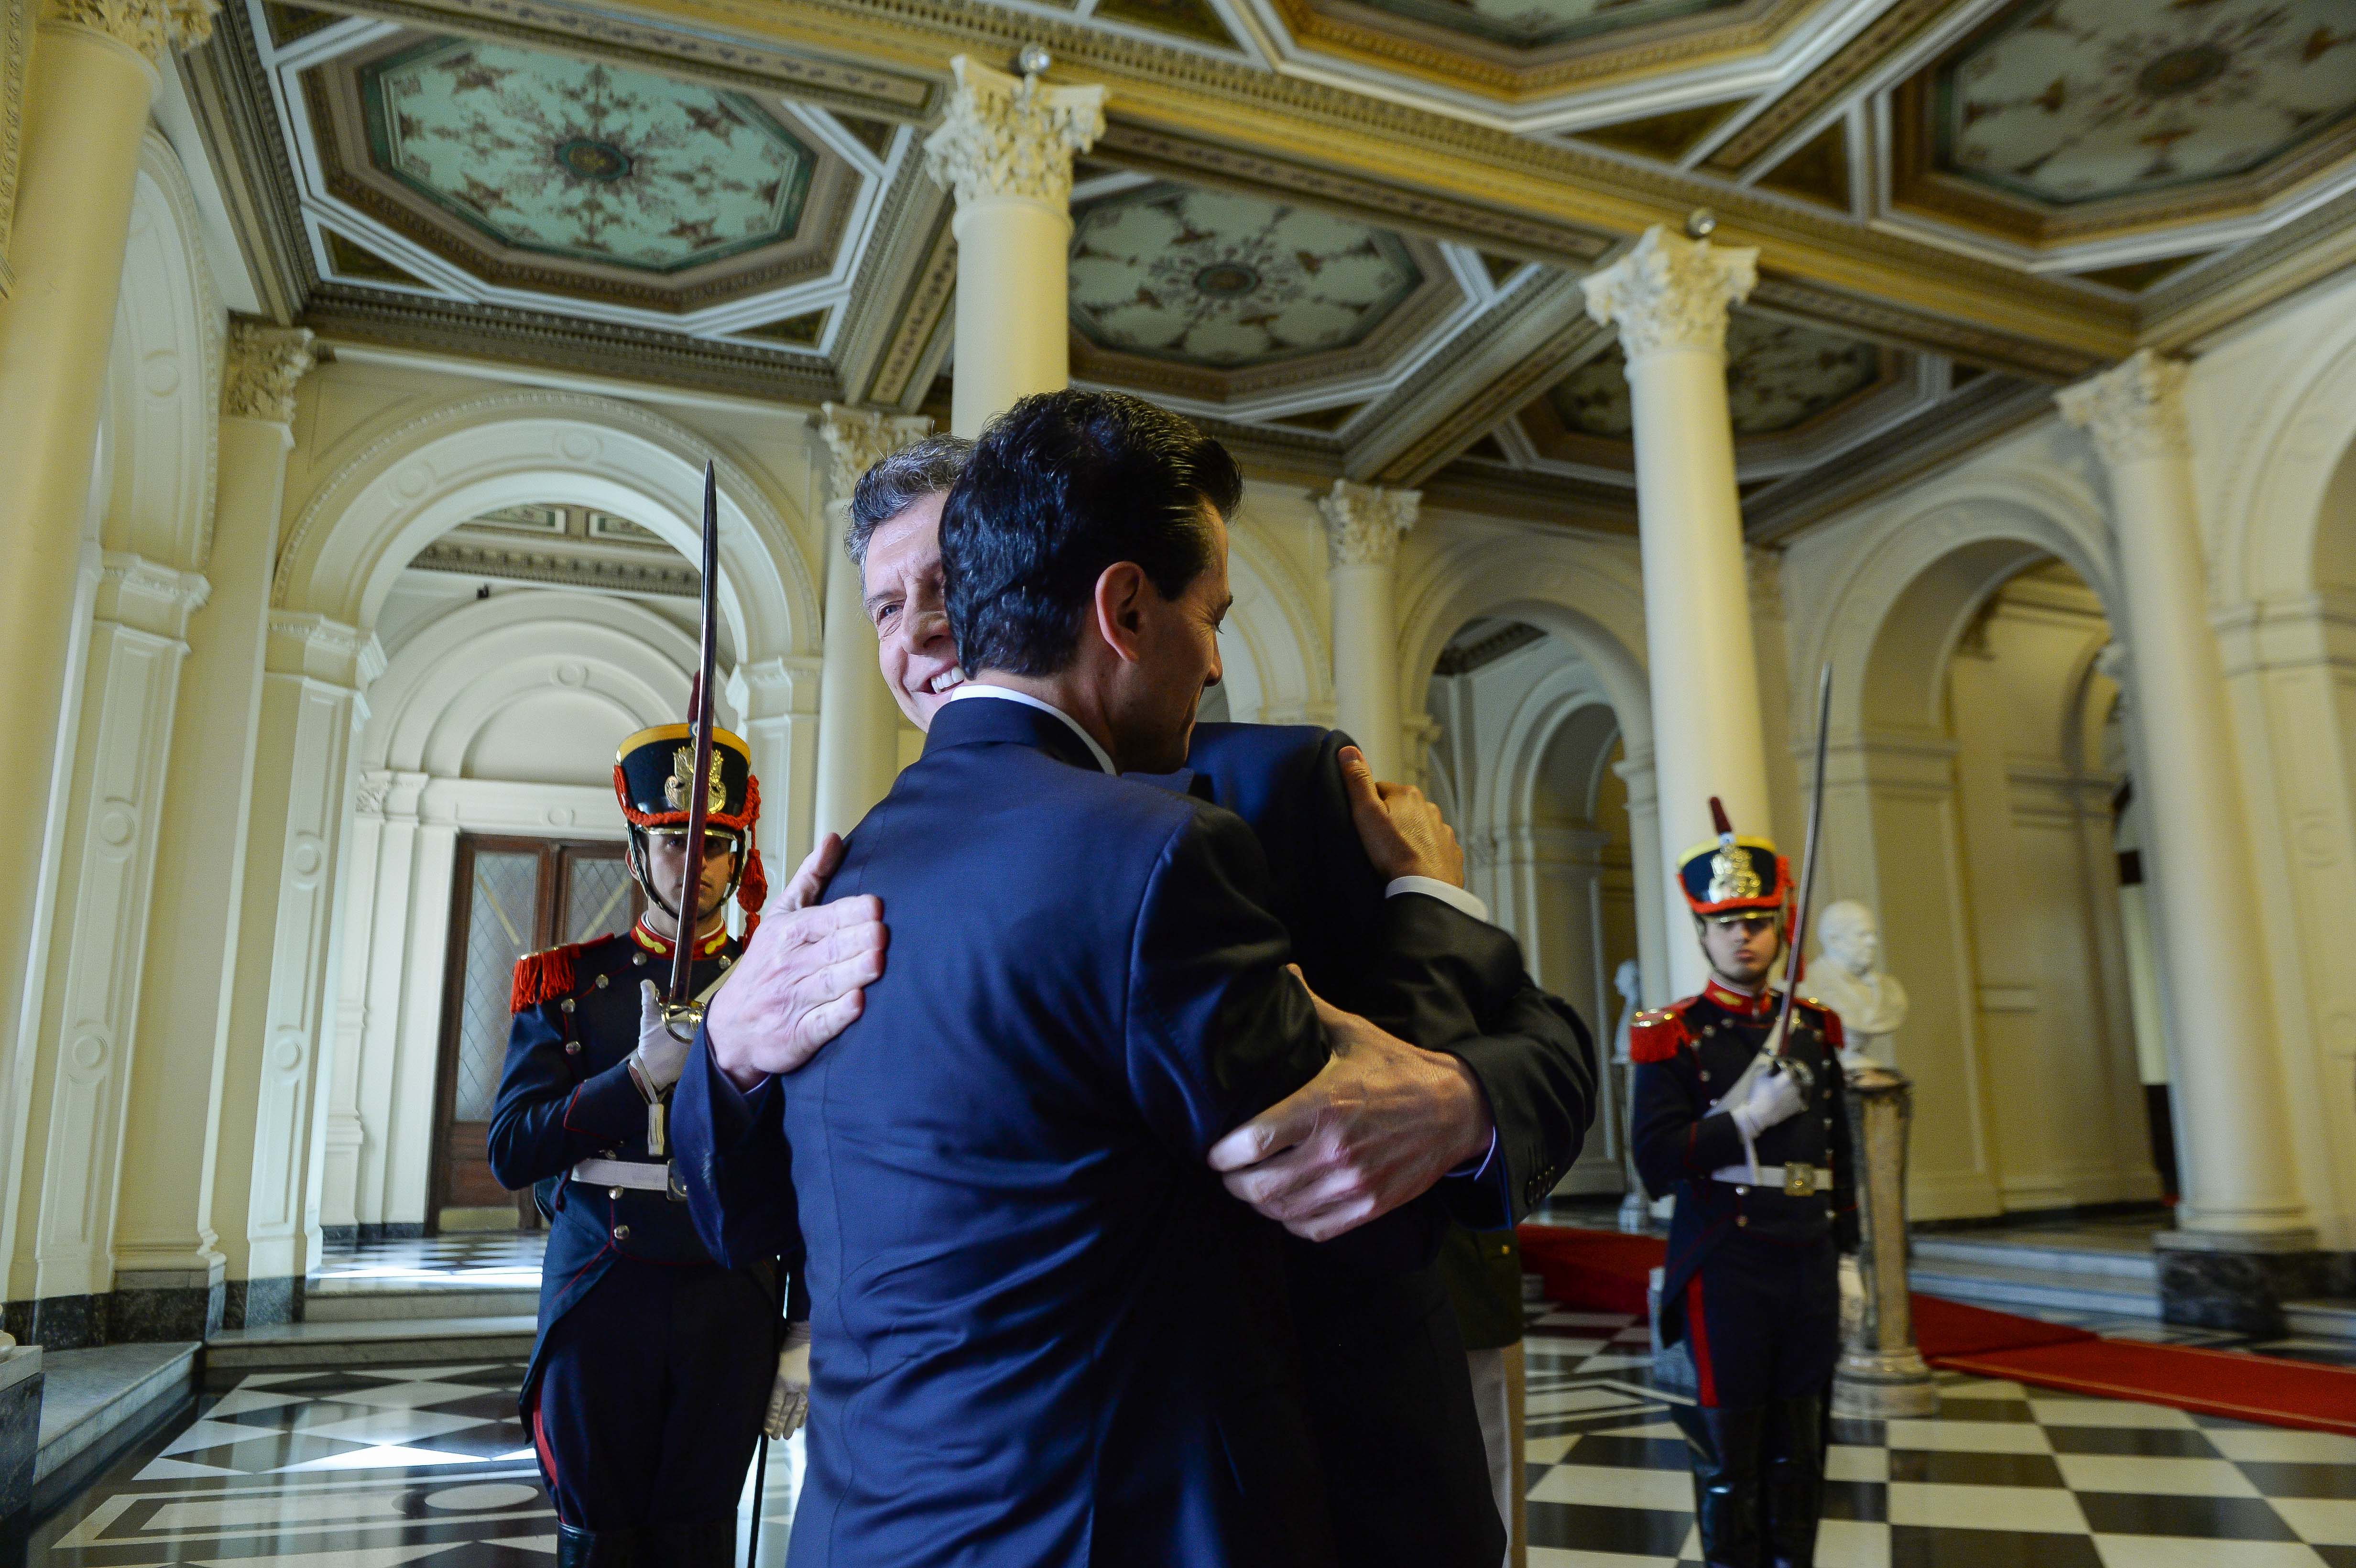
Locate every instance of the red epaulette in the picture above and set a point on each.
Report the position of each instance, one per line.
(1655, 1034)
(540, 975)
(1828, 1021)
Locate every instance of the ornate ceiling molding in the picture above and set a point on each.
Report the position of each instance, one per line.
(1180, 93)
(339, 313)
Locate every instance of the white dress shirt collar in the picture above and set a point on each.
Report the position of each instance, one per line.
(975, 689)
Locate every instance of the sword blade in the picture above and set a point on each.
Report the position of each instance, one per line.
(1792, 967)
(699, 794)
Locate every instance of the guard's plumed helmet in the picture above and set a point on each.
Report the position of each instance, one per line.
(1732, 877)
(654, 769)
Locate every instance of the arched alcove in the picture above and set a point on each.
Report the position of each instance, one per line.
(496, 717)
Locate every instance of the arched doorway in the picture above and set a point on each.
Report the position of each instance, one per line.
(1525, 761)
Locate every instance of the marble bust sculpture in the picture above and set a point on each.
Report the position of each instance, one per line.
(1845, 978)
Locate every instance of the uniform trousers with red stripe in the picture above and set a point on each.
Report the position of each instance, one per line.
(650, 1399)
(1764, 1320)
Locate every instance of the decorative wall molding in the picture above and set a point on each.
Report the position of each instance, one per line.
(1012, 136)
(15, 51)
(1671, 293)
(2134, 413)
(1364, 522)
(264, 365)
(154, 28)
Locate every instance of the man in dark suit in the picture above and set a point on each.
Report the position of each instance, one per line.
(1385, 1368)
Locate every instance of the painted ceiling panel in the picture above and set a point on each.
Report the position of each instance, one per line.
(2072, 100)
(1225, 281)
(1779, 376)
(1537, 23)
(577, 159)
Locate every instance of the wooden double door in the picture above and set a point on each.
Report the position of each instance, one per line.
(509, 897)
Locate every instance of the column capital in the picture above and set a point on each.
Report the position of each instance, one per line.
(2135, 409)
(1671, 293)
(154, 28)
(1008, 136)
(1364, 522)
(862, 438)
(260, 368)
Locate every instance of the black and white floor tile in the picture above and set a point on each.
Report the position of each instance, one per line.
(2003, 1475)
(344, 1469)
(384, 1466)
(480, 1261)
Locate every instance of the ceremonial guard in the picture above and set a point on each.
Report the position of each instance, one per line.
(648, 1383)
(1739, 1112)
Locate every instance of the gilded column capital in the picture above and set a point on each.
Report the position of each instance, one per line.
(2133, 410)
(154, 28)
(862, 438)
(1671, 293)
(1364, 522)
(260, 368)
(1008, 136)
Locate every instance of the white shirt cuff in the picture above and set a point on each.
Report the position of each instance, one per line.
(1449, 893)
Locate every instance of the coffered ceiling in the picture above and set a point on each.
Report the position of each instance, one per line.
(1347, 233)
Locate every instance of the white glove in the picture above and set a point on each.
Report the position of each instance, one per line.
(789, 1396)
(1774, 1097)
(661, 1057)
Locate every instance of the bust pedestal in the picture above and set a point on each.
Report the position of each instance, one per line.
(1882, 1373)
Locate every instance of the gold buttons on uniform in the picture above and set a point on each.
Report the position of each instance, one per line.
(621, 1233)
(614, 1192)
(639, 959)
(601, 982)
(572, 1048)
(1739, 1219)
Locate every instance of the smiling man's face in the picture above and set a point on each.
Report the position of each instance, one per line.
(902, 582)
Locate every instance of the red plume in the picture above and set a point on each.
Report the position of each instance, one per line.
(1718, 816)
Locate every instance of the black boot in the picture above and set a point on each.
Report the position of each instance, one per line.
(1795, 1488)
(706, 1544)
(598, 1548)
(1726, 1446)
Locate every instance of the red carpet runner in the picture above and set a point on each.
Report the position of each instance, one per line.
(1604, 1271)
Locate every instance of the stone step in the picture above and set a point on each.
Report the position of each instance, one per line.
(2118, 1263)
(2322, 1318)
(2017, 1289)
(410, 1303)
(96, 1403)
(233, 1352)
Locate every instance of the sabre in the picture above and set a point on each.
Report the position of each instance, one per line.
(1783, 1032)
(681, 1012)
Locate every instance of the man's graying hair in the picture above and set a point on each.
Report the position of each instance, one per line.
(899, 482)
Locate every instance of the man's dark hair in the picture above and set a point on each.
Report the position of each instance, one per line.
(899, 482)
(1060, 486)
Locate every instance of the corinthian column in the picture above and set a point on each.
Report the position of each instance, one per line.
(1005, 148)
(1363, 525)
(92, 74)
(1669, 297)
(169, 1269)
(2239, 1181)
(858, 723)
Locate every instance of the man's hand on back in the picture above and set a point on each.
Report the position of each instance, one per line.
(1402, 831)
(1380, 1122)
(802, 979)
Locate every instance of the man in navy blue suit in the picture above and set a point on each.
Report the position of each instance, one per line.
(1385, 1371)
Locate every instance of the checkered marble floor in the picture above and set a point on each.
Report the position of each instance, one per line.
(344, 1469)
(472, 1262)
(389, 1465)
(2003, 1475)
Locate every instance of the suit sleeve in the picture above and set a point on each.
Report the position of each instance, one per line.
(1218, 1029)
(732, 1157)
(544, 1122)
(1449, 982)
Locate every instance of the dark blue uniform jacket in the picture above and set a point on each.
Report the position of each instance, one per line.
(1688, 1056)
(567, 1095)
